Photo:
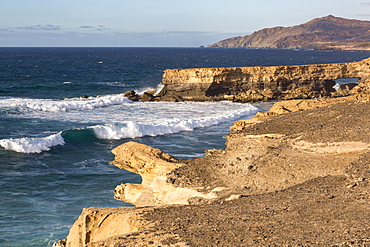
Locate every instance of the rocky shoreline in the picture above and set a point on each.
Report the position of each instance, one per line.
(259, 83)
(295, 176)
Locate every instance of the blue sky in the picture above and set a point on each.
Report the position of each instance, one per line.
(156, 23)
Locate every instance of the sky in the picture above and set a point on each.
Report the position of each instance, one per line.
(156, 23)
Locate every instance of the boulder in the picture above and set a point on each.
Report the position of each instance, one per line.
(147, 97)
(131, 95)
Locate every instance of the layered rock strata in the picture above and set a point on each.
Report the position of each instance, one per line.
(246, 84)
(154, 166)
(273, 169)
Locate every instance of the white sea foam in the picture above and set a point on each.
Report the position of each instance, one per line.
(159, 89)
(50, 105)
(32, 145)
(119, 121)
(131, 129)
(150, 89)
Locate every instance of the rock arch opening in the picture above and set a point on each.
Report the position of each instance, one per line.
(346, 83)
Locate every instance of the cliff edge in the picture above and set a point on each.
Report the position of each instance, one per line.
(262, 83)
(298, 175)
(326, 33)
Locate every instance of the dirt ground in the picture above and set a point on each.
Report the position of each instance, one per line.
(320, 212)
(344, 122)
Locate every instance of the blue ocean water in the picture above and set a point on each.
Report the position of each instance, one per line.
(55, 146)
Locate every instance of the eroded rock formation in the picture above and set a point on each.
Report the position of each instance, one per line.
(247, 84)
(321, 146)
(96, 224)
(153, 165)
(251, 163)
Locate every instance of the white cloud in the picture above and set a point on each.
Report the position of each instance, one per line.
(54, 35)
(102, 28)
(40, 27)
(87, 27)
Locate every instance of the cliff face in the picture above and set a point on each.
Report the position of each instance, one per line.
(322, 33)
(260, 83)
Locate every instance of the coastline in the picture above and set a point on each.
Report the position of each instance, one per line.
(294, 175)
(259, 83)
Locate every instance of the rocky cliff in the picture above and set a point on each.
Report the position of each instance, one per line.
(322, 33)
(297, 175)
(301, 178)
(245, 84)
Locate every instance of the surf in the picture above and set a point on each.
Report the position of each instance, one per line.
(145, 124)
(131, 129)
(32, 145)
(71, 104)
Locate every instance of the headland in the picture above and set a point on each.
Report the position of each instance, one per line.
(325, 33)
(298, 175)
(259, 83)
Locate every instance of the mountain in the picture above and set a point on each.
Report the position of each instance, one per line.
(326, 33)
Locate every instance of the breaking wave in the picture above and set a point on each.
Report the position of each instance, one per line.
(32, 145)
(49, 105)
(132, 129)
(127, 129)
(156, 90)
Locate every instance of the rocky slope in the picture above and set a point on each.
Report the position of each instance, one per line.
(298, 178)
(322, 33)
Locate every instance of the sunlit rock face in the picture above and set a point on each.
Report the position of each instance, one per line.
(152, 165)
(246, 84)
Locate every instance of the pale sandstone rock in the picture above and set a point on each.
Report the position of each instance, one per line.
(96, 224)
(233, 83)
(334, 147)
(152, 165)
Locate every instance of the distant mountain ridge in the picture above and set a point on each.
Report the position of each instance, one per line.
(326, 33)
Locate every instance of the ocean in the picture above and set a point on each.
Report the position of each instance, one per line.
(55, 145)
